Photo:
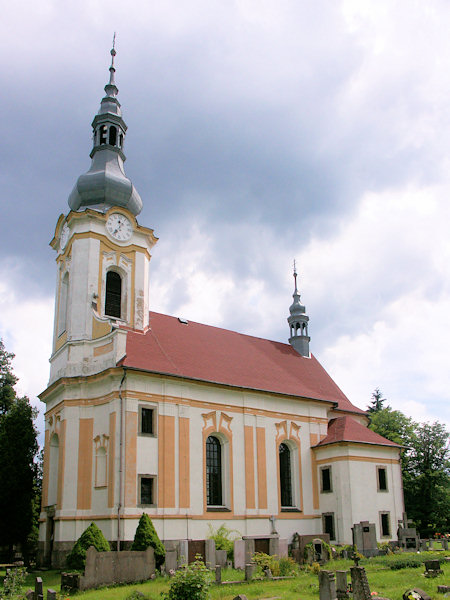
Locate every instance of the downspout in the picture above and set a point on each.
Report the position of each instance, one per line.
(120, 504)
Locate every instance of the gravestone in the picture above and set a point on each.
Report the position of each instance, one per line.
(29, 595)
(443, 589)
(183, 552)
(424, 545)
(240, 597)
(432, 568)
(239, 554)
(342, 585)
(283, 548)
(445, 543)
(327, 585)
(249, 569)
(317, 552)
(249, 549)
(407, 534)
(51, 594)
(210, 554)
(221, 558)
(268, 573)
(417, 594)
(274, 546)
(365, 538)
(171, 561)
(218, 574)
(360, 584)
(38, 589)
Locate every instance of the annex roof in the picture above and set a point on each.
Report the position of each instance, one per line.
(346, 429)
(211, 354)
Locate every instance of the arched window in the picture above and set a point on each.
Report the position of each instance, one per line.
(53, 470)
(62, 310)
(112, 135)
(287, 497)
(103, 132)
(213, 472)
(113, 295)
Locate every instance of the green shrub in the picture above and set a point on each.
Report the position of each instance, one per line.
(223, 538)
(191, 582)
(13, 582)
(92, 536)
(288, 566)
(146, 536)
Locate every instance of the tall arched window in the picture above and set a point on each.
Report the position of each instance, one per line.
(63, 298)
(213, 472)
(113, 295)
(53, 470)
(112, 135)
(287, 497)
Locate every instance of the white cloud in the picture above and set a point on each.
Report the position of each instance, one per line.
(26, 324)
(384, 277)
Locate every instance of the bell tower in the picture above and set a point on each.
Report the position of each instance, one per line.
(298, 323)
(103, 255)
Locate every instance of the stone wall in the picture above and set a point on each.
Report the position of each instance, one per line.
(104, 568)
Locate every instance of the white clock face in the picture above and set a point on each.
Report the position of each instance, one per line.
(119, 227)
(63, 238)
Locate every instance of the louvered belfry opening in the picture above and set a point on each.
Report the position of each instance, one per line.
(113, 297)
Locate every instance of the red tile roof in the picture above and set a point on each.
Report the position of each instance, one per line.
(205, 353)
(346, 429)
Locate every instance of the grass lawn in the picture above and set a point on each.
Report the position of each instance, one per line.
(382, 579)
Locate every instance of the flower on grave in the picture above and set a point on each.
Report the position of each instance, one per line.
(374, 593)
(171, 573)
(152, 576)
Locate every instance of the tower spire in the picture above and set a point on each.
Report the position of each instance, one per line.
(105, 184)
(298, 322)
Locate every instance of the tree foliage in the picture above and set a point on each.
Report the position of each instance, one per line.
(18, 471)
(146, 536)
(92, 536)
(377, 401)
(425, 465)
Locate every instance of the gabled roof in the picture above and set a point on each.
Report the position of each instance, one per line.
(346, 429)
(211, 354)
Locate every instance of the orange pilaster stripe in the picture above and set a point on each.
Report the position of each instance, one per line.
(166, 462)
(111, 458)
(85, 442)
(261, 466)
(61, 465)
(45, 469)
(131, 419)
(249, 467)
(183, 462)
(313, 439)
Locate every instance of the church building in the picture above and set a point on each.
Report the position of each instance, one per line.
(192, 424)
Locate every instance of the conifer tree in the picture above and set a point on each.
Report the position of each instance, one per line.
(146, 536)
(92, 536)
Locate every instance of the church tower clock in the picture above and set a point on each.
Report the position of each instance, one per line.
(103, 255)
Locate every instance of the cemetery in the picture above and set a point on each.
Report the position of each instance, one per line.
(260, 569)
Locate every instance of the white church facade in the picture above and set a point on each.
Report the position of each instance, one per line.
(189, 423)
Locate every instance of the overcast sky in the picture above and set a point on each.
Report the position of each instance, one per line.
(259, 131)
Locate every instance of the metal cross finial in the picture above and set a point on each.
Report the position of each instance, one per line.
(113, 50)
(295, 274)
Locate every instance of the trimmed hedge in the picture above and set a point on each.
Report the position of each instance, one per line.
(146, 536)
(92, 536)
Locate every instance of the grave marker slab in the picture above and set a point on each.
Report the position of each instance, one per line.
(327, 585)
